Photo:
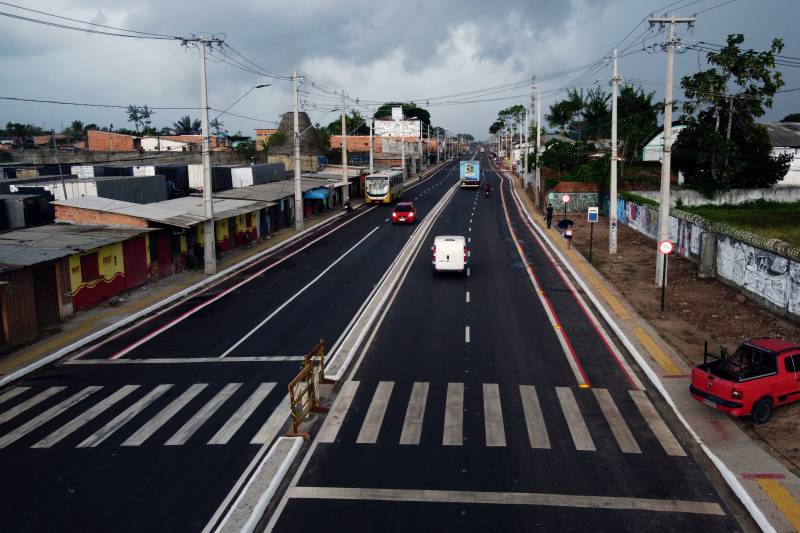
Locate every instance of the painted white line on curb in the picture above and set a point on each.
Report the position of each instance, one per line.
(467, 297)
(466, 334)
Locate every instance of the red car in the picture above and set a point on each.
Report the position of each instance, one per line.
(762, 374)
(404, 212)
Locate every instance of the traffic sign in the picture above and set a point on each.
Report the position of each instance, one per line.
(665, 247)
(594, 214)
(565, 198)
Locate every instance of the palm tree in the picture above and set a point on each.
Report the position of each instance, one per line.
(186, 125)
(265, 144)
(135, 116)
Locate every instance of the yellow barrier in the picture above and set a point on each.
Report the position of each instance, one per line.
(304, 389)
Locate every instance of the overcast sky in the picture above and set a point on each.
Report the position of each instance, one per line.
(376, 51)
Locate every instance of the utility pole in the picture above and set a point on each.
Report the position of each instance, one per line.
(612, 198)
(538, 189)
(209, 236)
(402, 124)
(58, 162)
(371, 145)
(663, 211)
(345, 180)
(298, 189)
(527, 147)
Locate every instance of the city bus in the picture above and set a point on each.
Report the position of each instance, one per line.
(383, 187)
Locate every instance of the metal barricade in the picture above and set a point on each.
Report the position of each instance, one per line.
(304, 389)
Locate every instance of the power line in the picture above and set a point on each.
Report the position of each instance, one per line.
(83, 104)
(85, 30)
(715, 7)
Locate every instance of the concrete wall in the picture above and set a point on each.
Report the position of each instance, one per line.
(785, 194)
(765, 270)
(579, 202)
(46, 157)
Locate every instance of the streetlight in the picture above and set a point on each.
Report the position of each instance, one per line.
(241, 98)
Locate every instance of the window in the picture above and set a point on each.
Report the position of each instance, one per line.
(793, 363)
(90, 269)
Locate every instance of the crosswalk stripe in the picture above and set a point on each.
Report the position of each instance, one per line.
(274, 423)
(534, 419)
(84, 418)
(242, 414)
(335, 418)
(375, 413)
(577, 427)
(454, 415)
(147, 430)
(657, 425)
(415, 413)
(30, 402)
(615, 421)
(46, 416)
(202, 416)
(493, 415)
(16, 391)
(124, 417)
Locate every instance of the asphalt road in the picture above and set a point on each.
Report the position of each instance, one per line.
(492, 402)
(152, 428)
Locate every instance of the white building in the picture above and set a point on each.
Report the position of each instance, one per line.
(160, 144)
(654, 150)
(785, 139)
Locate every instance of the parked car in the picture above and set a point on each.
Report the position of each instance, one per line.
(450, 254)
(404, 213)
(760, 375)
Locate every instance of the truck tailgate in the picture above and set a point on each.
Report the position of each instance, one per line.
(712, 390)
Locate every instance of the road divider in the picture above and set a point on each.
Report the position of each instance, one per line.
(304, 389)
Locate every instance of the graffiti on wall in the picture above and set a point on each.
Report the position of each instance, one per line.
(765, 274)
(579, 202)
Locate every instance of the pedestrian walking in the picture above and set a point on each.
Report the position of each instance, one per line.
(568, 236)
(549, 215)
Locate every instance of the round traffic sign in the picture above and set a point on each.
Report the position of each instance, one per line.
(665, 247)
(565, 198)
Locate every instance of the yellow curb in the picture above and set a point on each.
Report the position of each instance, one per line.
(656, 353)
(783, 500)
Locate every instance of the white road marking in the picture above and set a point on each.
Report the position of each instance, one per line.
(202, 416)
(466, 333)
(534, 419)
(469, 239)
(153, 425)
(507, 498)
(188, 360)
(415, 414)
(375, 413)
(242, 414)
(454, 415)
(298, 293)
(27, 404)
(467, 297)
(46, 416)
(83, 419)
(619, 428)
(16, 391)
(469, 271)
(493, 415)
(124, 417)
(657, 425)
(577, 427)
(334, 419)
(274, 423)
(387, 220)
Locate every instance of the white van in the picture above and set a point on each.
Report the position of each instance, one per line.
(450, 254)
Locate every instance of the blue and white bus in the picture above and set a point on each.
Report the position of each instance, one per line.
(470, 174)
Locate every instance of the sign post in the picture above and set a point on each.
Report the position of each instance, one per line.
(565, 200)
(593, 216)
(665, 247)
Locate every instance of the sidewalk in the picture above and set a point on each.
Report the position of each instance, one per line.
(92, 320)
(768, 490)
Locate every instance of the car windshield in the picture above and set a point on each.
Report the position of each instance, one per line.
(403, 208)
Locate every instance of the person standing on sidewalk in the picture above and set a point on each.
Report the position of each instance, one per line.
(568, 236)
(549, 215)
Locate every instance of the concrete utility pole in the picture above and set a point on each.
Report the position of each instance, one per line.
(371, 142)
(298, 189)
(58, 162)
(663, 211)
(345, 180)
(538, 187)
(527, 147)
(612, 198)
(402, 124)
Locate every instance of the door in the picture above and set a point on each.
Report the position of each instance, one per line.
(164, 255)
(134, 259)
(792, 367)
(46, 293)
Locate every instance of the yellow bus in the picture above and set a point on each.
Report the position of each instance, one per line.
(383, 187)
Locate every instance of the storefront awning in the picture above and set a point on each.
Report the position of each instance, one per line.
(316, 194)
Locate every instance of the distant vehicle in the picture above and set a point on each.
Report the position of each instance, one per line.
(483, 150)
(404, 213)
(383, 187)
(470, 174)
(450, 254)
(762, 374)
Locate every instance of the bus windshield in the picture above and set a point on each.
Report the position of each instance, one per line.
(377, 186)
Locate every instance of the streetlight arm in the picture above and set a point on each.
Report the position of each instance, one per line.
(240, 99)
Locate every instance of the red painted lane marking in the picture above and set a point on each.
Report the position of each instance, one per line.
(592, 321)
(542, 295)
(127, 349)
(675, 376)
(762, 475)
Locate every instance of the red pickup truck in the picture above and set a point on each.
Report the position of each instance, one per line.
(762, 374)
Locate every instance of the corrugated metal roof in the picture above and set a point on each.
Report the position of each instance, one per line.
(181, 212)
(29, 246)
(783, 134)
(276, 190)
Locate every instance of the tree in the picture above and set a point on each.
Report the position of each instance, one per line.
(563, 114)
(794, 117)
(638, 119)
(275, 139)
(496, 126)
(135, 116)
(216, 126)
(186, 125)
(246, 150)
(597, 115)
(409, 110)
(722, 146)
(355, 123)
(22, 131)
